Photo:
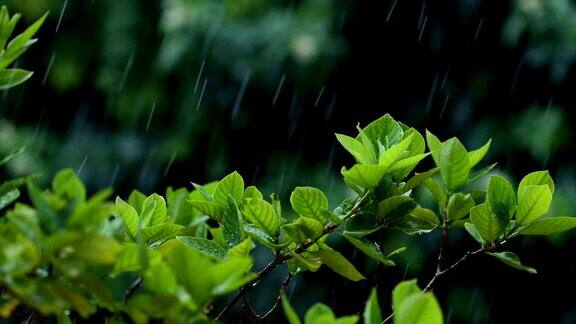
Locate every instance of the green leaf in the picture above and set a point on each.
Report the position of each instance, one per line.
(289, 312)
(154, 211)
(309, 202)
(260, 213)
(369, 248)
(12, 155)
(459, 205)
(241, 250)
(533, 202)
(551, 225)
(479, 174)
(304, 229)
(395, 153)
(403, 167)
(473, 231)
(338, 263)
(319, 314)
(361, 153)
(418, 179)
(437, 192)
(160, 233)
(364, 175)
(501, 199)
(402, 291)
(485, 222)
(537, 178)
(252, 192)
(434, 146)
(205, 246)
(454, 164)
(232, 185)
(232, 223)
(395, 208)
(372, 313)
(511, 259)
(67, 184)
(8, 198)
(208, 208)
(385, 129)
(419, 308)
(12, 77)
(477, 155)
(136, 200)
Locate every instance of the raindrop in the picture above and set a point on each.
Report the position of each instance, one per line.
(170, 163)
(48, 69)
(478, 29)
(240, 96)
(422, 29)
(391, 10)
(82, 165)
(199, 75)
(150, 116)
(61, 16)
(444, 105)
(202, 94)
(319, 96)
(515, 79)
(278, 89)
(432, 92)
(125, 73)
(114, 175)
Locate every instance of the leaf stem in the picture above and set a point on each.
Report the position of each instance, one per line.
(281, 258)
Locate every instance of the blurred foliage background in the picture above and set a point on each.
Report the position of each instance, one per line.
(151, 93)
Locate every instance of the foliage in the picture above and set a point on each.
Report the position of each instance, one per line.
(68, 255)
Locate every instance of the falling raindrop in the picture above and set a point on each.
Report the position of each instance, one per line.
(280, 84)
(61, 16)
(114, 175)
(199, 75)
(478, 29)
(48, 69)
(319, 96)
(126, 71)
(240, 96)
(82, 165)
(202, 94)
(170, 163)
(150, 116)
(432, 92)
(391, 11)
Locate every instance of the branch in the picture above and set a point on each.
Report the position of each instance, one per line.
(282, 258)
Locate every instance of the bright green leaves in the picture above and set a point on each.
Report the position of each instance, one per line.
(533, 202)
(486, 223)
(154, 211)
(412, 306)
(338, 263)
(372, 313)
(369, 248)
(384, 149)
(309, 202)
(317, 314)
(232, 185)
(454, 163)
(512, 260)
(16, 47)
(259, 212)
(208, 247)
(501, 199)
(534, 196)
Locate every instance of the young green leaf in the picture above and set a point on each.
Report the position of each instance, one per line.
(136, 200)
(362, 154)
(396, 207)
(154, 211)
(501, 199)
(454, 164)
(385, 129)
(128, 216)
(477, 155)
(533, 202)
(537, 178)
(208, 208)
(252, 192)
(395, 153)
(369, 248)
(232, 223)
(459, 206)
(434, 146)
(12, 77)
(319, 313)
(402, 291)
(419, 308)
(418, 179)
(485, 222)
(548, 226)
(309, 202)
(156, 234)
(437, 192)
(365, 175)
(232, 185)
(511, 259)
(338, 263)
(260, 213)
(372, 313)
(473, 231)
(304, 229)
(8, 198)
(241, 250)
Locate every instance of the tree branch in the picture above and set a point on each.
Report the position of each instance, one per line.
(282, 258)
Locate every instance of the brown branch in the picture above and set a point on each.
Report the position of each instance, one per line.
(282, 258)
(439, 274)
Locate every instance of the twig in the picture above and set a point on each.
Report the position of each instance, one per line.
(282, 258)
(438, 274)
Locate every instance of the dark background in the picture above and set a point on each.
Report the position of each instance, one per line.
(116, 95)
